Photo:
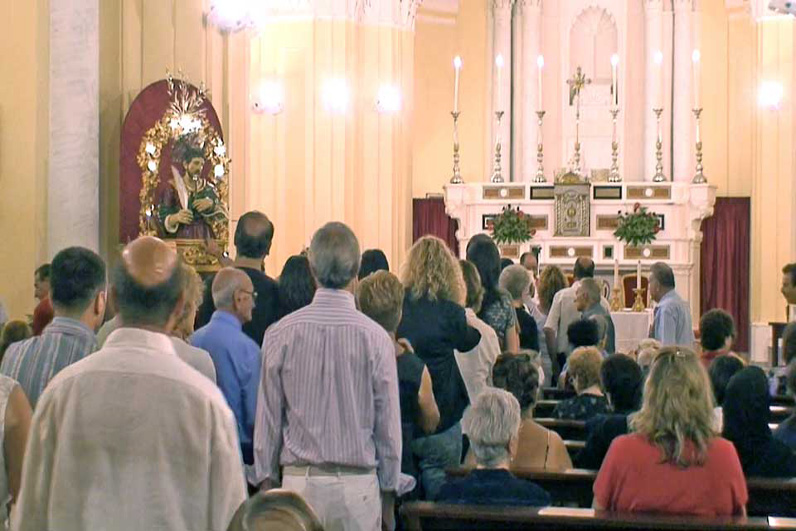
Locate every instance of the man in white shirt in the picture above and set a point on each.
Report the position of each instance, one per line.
(563, 313)
(132, 437)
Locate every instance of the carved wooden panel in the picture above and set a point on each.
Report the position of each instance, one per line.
(504, 192)
(566, 251)
(656, 252)
(607, 192)
(649, 192)
(607, 222)
(539, 193)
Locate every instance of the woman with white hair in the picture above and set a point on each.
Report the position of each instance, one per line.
(516, 281)
(492, 424)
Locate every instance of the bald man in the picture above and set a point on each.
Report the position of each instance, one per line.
(235, 355)
(131, 437)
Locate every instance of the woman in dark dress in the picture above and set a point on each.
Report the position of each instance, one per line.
(296, 285)
(515, 280)
(434, 323)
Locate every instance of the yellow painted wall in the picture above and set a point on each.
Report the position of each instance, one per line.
(436, 45)
(23, 150)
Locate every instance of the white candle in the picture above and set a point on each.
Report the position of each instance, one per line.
(540, 65)
(457, 66)
(616, 273)
(659, 80)
(696, 58)
(638, 275)
(614, 80)
(499, 64)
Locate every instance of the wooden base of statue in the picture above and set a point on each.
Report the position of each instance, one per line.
(617, 304)
(638, 304)
(195, 254)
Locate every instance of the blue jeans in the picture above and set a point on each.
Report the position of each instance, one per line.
(435, 454)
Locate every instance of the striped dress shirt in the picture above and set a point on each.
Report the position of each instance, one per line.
(35, 361)
(328, 393)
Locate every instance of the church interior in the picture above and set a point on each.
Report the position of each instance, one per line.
(630, 159)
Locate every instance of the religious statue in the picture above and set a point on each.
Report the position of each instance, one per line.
(189, 207)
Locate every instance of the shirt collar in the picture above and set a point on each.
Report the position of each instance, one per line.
(670, 295)
(334, 297)
(67, 324)
(227, 318)
(138, 337)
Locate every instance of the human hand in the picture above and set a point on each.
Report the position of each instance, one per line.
(183, 217)
(203, 205)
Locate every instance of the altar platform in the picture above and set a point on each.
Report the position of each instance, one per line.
(681, 207)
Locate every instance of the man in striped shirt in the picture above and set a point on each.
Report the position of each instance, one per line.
(327, 407)
(78, 285)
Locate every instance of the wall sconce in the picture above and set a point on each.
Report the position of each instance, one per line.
(230, 15)
(770, 94)
(270, 99)
(388, 99)
(335, 95)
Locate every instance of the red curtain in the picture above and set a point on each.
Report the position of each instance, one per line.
(429, 218)
(724, 268)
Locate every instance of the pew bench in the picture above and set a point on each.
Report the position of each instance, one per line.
(574, 430)
(427, 516)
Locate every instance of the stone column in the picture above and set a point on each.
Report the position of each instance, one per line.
(531, 49)
(73, 172)
(653, 18)
(501, 15)
(683, 98)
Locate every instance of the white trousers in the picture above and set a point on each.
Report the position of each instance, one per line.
(341, 502)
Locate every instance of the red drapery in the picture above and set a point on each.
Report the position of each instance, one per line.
(724, 267)
(429, 218)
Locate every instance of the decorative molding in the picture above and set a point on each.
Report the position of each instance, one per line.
(529, 5)
(502, 5)
(683, 5)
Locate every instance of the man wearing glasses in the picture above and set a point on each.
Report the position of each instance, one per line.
(235, 355)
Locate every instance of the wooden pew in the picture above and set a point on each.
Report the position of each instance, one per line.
(554, 393)
(575, 486)
(574, 430)
(783, 400)
(779, 413)
(544, 408)
(427, 516)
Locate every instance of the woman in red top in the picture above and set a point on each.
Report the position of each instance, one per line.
(673, 462)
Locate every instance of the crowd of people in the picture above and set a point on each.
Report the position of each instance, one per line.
(158, 400)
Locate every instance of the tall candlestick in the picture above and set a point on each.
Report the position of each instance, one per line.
(616, 273)
(540, 65)
(638, 275)
(659, 80)
(696, 59)
(614, 79)
(499, 64)
(457, 66)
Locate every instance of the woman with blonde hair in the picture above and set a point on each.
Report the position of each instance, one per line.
(584, 372)
(435, 324)
(551, 281)
(674, 462)
(192, 292)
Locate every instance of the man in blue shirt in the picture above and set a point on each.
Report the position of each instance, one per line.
(235, 355)
(672, 317)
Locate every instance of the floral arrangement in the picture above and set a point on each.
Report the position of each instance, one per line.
(639, 227)
(512, 226)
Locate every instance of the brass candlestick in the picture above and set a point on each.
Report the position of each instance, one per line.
(614, 176)
(699, 177)
(659, 176)
(638, 304)
(497, 176)
(617, 304)
(540, 178)
(457, 176)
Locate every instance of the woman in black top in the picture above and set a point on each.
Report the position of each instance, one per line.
(516, 281)
(296, 285)
(434, 323)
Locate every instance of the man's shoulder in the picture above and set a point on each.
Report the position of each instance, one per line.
(17, 350)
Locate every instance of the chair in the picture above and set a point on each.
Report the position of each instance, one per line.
(629, 284)
(276, 509)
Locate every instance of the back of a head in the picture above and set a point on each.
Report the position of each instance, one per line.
(14, 331)
(515, 280)
(715, 326)
(485, 255)
(551, 281)
(584, 268)
(746, 411)
(373, 260)
(677, 408)
(622, 379)
(276, 509)
(584, 364)
(472, 282)
(147, 283)
(432, 271)
(480, 237)
(789, 342)
(225, 284)
(193, 289)
(490, 423)
(296, 284)
(721, 370)
(253, 235)
(77, 275)
(592, 289)
(506, 262)
(663, 274)
(518, 375)
(381, 297)
(583, 333)
(791, 378)
(43, 272)
(334, 255)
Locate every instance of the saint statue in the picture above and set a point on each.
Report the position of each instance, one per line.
(189, 206)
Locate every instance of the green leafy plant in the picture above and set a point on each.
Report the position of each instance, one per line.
(512, 226)
(639, 227)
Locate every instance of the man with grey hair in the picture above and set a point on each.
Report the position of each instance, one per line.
(587, 301)
(328, 409)
(235, 355)
(492, 424)
(672, 316)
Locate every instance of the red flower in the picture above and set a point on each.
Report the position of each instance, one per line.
(657, 230)
(636, 207)
(521, 214)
